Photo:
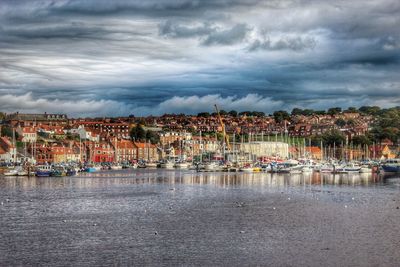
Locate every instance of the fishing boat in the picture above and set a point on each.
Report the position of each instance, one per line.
(43, 170)
(391, 165)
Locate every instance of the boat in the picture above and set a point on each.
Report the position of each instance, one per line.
(151, 165)
(90, 169)
(348, 168)
(11, 172)
(167, 165)
(391, 165)
(71, 172)
(306, 169)
(211, 166)
(251, 168)
(181, 165)
(290, 166)
(365, 169)
(22, 173)
(43, 170)
(116, 167)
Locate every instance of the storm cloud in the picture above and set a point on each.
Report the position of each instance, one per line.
(85, 57)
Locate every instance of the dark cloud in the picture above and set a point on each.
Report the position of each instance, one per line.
(287, 43)
(227, 37)
(170, 29)
(208, 33)
(148, 56)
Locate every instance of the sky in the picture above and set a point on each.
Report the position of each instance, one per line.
(116, 58)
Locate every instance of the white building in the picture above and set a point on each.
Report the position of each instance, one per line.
(264, 149)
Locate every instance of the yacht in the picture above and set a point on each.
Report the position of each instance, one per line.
(181, 165)
(11, 172)
(167, 165)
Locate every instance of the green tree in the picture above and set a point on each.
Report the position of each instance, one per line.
(138, 133)
(153, 137)
(203, 114)
(361, 140)
(340, 122)
(8, 131)
(351, 122)
(333, 137)
(297, 111)
(233, 113)
(334, 111)
(351, 109)
(371, 110)
(280, 116)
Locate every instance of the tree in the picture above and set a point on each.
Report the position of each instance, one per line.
(361, 140)
(8, 131)
(333, 137)
(138, 133)
(351, 109)
(351, 122)
(223, 112)
(334, 111)
(203, 114)
(297, 111)
(259, 113)
(153, 137)
(233, 113)
(340, 122)
(244, 113)
(370, 110)
(280, 116)
(320, 112)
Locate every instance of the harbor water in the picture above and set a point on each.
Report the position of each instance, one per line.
(178, 218)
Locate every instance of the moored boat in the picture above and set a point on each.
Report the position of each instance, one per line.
(391, 165)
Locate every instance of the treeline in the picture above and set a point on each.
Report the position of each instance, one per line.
(232, 113)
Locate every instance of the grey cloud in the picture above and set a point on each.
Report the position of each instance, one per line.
(288, 43)
(208, 33)
(174, 30)
(227, 37)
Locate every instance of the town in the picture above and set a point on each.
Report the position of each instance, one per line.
(182, 141)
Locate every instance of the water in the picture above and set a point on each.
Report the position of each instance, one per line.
(155, 217)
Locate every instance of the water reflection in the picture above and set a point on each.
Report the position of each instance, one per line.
(131, 177)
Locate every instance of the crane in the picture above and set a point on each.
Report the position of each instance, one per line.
(225, 136)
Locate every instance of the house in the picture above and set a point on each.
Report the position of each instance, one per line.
(8, 151)
(32, 120)
(146, 151)
(126, 150)
(99, 152)
(28, 134)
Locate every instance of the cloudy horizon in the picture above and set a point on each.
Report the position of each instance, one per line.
(112, 58)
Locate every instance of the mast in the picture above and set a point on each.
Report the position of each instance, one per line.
(225, 136)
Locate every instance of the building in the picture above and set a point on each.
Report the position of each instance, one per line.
(264, 149)
(126, 150)
(8, 152)
(29, 120)
(146, 151)
(27, 134)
